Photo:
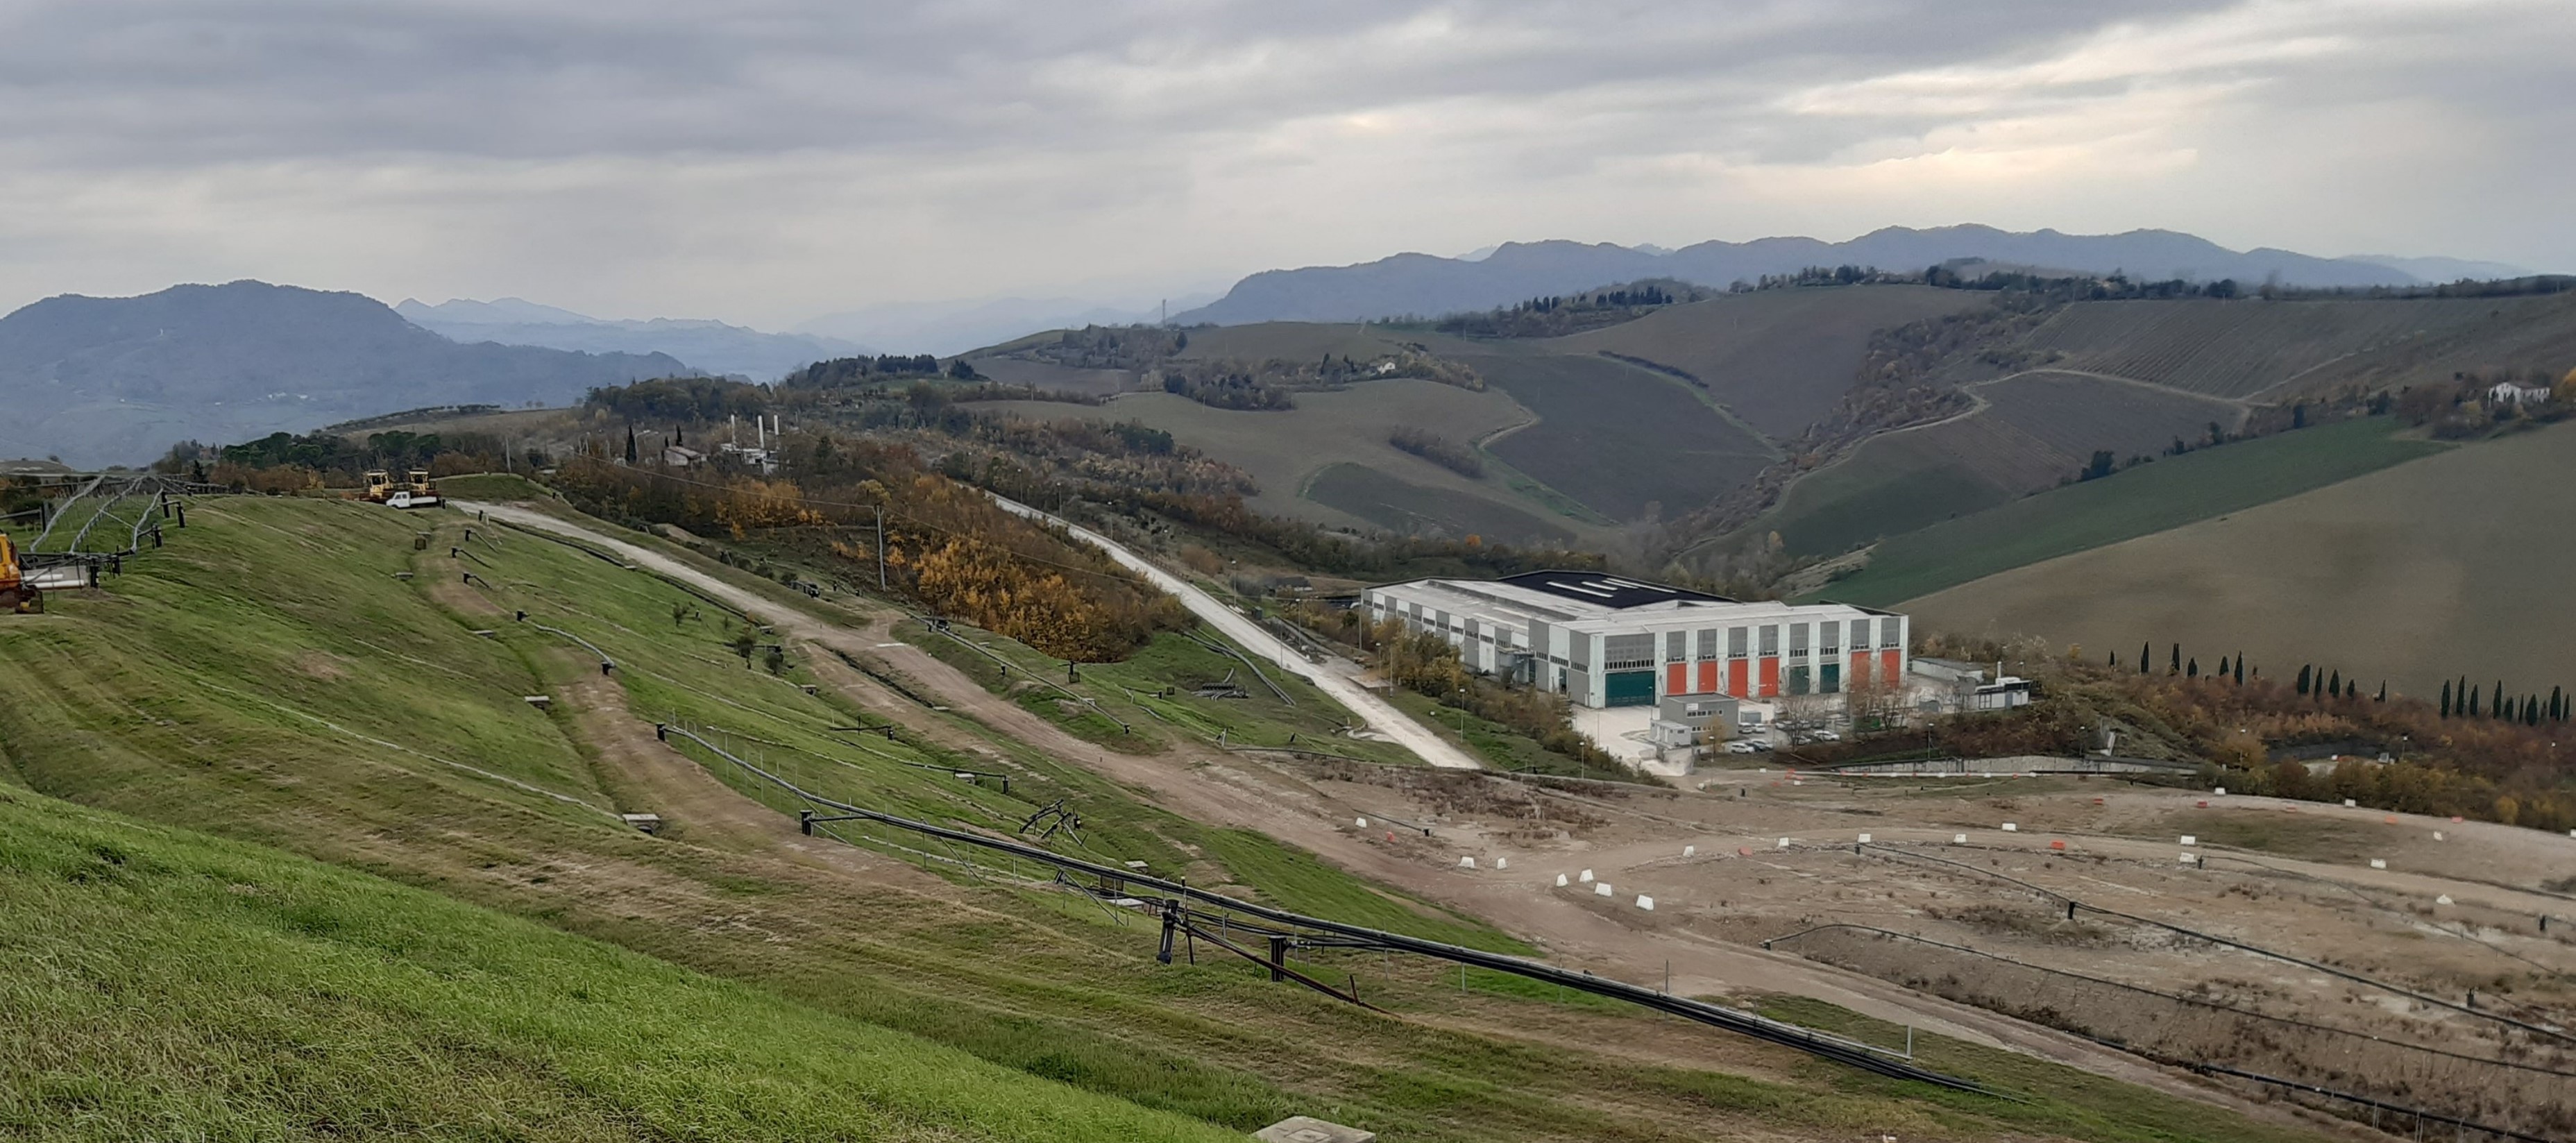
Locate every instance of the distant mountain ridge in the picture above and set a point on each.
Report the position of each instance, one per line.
(1423, 284)
(953, 327)
(711, 346)
(117, 380)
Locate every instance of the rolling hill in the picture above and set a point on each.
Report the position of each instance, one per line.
(117, 380)
(1421, 284)
(2447, 565)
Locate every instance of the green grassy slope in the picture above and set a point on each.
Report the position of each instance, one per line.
(2451, 564)
(2149, 498)
(162, 984)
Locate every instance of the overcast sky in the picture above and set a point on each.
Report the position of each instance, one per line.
(764, 161)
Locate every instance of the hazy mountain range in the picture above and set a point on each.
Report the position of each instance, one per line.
(711, 346)
(100, 381)
(953, 327)
(1425, 284)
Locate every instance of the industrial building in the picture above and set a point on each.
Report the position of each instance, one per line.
(1608, 641)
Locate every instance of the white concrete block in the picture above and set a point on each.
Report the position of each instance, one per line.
(1502, 863)
(1466, 863)
(2010, 827)
(2444, 899)
(2350, 804)
(1784, 843)
(2188, 839)
(1601, 889)
(2379, 863)
(1958, 839)
(1560, 881)
(1363, 822)
(2437, 835)
(1690, 851)
(2221, 791)
(2191, 859)
(1587, 876)
(1864, 839)
(1645, 902)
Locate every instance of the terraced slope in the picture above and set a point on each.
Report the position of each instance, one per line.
(1617, 437)
(2447, 565)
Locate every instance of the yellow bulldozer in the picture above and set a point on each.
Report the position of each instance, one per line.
(416, 493)
(18, 595)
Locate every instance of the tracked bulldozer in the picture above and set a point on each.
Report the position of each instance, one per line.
(414, 493)
(18, 593)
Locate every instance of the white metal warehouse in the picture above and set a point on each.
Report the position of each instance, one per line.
(1605, 641)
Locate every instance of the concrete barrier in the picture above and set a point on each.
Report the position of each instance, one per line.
(2010, 827)
(2188, 839)
(1502, 863)
(1958, 839)
(1864, 839)
(1466, 863)
(1587, 876)
(2379, 863)
(1690, 851)
(1645, 902)
(1602, 889)
(1560, 881)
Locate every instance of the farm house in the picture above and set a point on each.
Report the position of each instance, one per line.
(1608, 641)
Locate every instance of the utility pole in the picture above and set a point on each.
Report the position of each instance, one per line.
(881, 582)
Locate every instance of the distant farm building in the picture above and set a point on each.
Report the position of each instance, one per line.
(2516, 393)
(1608, 641)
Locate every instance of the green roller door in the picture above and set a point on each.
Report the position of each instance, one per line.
(1628, 688)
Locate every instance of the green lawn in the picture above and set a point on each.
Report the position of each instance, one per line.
(159, 984)
(2149, 498)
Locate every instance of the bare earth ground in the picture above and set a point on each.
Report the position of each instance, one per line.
(2307, 892)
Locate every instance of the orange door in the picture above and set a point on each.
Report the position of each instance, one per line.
(1859, 671)
(1707, 678)
(1676, 678)
(1770, 676)
(1891, 667)
(1739, 678)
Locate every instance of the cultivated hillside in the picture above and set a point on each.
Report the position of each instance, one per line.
(2448, 565)
(1422, 284)
(709, 346)
(117, 380)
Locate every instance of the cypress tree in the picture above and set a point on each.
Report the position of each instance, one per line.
(2303, 680)
(2503, 707)
(2383, 691)
(2222, 667)
(2473, 702)
(2191, 670)
(2446, 698)
(2146, 655)
(2240, 668)
(2176, 669)
(630, 444)
(2531, 710)
(2557, 705)
(2334, 687)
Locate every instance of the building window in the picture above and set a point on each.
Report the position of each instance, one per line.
(1704, 645)
(1627, 652)
(1735, 642)
(1798, 639)
(1676, 646)
(1770, 641)
(1889, 637)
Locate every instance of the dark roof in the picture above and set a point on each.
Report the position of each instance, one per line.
(1603, 590)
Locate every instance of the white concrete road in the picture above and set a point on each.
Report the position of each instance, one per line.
(1372, 708)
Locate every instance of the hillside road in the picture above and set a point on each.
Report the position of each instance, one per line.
(1380, 715)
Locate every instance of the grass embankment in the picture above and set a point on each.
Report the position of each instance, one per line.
(162, 984)
(1153, 692)
(2135, 502)
(267, 677)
